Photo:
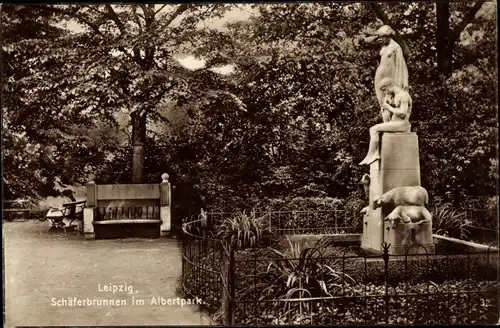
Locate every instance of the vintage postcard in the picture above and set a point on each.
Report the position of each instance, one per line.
(267, 163)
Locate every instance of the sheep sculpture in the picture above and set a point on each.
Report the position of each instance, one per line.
(410, 214)
(414, 195)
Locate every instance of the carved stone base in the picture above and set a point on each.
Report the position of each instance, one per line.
(399, 166)
(89, 235)
(409, 250)
(409, 238)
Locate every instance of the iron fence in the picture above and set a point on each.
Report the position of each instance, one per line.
(353, 288)
(201, 255)
(261, 286)
(482, 225)
(486, 219)
(302, 221)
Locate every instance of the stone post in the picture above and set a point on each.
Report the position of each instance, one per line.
(165, 204)
(398, 166)
(90, 207)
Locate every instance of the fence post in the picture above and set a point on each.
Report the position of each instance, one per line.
(90, 208)
(385, 256)
(165, 205)
(223, 280)
(232, 300)
(210, 220)
(224, 268)
(227, 286)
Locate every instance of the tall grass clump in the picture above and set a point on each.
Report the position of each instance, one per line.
(245, 230)
(450, 222)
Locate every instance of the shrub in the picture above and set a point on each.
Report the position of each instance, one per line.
(450, 222)
(36, 214)
(312, 271)
(435, 268)
(302, 204)
(245, 230)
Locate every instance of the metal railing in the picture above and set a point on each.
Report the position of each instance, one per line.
(302, 221)
(256, 286)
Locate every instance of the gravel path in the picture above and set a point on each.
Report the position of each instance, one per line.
(43, 268)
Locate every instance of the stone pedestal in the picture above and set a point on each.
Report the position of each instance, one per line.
(399, 166)
(88, 211)
(165, 203)
(409, 238)
(88, 220)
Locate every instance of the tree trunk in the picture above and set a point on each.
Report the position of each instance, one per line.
(138, 142)
(443, 42)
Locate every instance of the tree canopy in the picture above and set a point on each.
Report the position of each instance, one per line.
(291, 120)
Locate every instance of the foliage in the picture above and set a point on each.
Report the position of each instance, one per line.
(446, 303)
(120, 60)
(450, 222)
(245, 230)
(297, 138)
(302, 271)
(303, 204)
(294, 123)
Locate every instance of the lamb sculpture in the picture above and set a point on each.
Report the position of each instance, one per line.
(410, 214)
(414, 195)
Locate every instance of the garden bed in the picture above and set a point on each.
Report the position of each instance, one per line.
(452, 302)
(441, 289)
(323, 279)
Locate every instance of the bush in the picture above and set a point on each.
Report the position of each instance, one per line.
(435, 268)
(419, 286)
(450, 222)
(428, 305)
(245, 230)
(303, 204)
(312, 271)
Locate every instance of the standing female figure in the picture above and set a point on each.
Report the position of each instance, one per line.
(392, 65)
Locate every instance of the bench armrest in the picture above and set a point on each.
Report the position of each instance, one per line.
(75, 203)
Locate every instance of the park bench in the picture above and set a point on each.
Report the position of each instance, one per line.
(71, 210)
(15, 208)
(127, 210)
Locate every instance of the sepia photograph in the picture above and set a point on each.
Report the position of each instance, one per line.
(246, 164)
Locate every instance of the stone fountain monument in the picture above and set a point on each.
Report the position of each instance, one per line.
(396, 212)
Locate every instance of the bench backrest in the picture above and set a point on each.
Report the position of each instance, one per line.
(74, 208)
(17, 204)
(125, 201)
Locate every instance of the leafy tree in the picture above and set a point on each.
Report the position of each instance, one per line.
(25, 151)
(303, 74)
(305, 78)
(124, 60)
(446, 22)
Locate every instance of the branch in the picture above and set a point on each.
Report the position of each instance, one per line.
(136, 17)
(94, 9)
(144, 10)
(383, 17)
(76, 15)
(156, 12)
(467, 19)
(156, 99)
(112, 14)
(180, 10)
(237, 101)
(121, 27)
(81, 17)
